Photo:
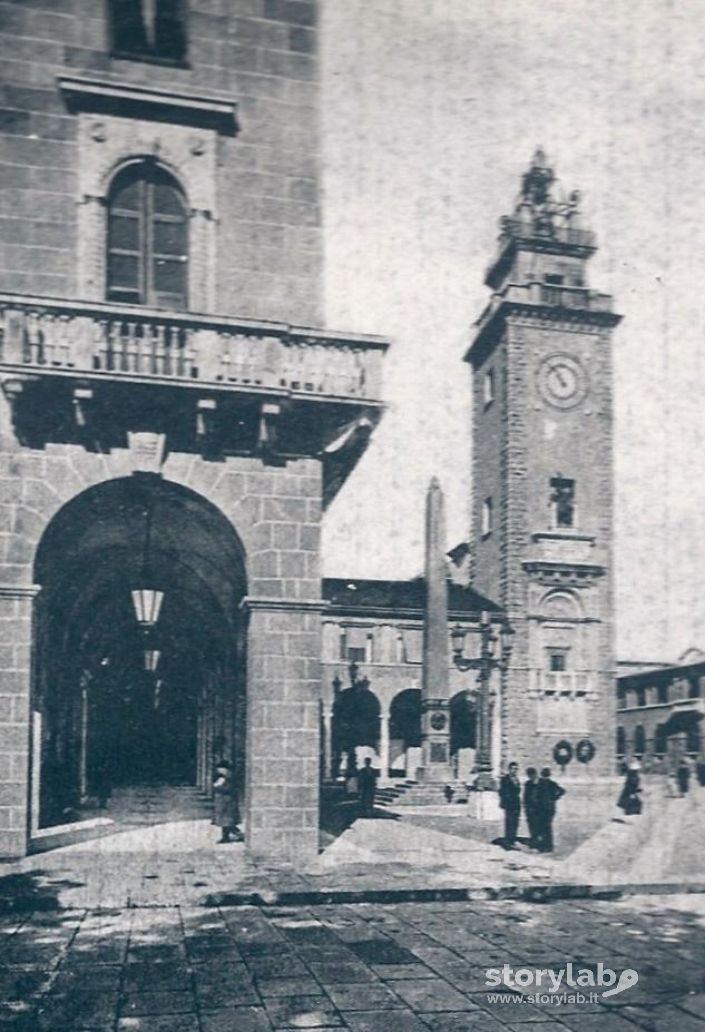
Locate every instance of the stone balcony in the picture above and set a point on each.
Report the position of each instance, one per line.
(240, 384)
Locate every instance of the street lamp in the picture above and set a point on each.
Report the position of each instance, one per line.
(151, 659)
(146, 599)
(485, 663)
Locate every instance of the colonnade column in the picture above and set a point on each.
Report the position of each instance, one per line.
(15, 689)
(327, 742)
(283, 727)
(384, 744)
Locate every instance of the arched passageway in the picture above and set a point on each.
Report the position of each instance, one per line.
(462, 734)
(405, 732)
(356, 723)
(100, 715)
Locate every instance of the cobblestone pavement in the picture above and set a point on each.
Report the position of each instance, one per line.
(367, 967)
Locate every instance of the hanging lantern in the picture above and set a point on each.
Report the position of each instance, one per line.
(147, 603)
(151, 659)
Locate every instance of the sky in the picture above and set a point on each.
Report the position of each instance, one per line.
(431, 111)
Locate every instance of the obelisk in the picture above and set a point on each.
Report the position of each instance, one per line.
(435, 713)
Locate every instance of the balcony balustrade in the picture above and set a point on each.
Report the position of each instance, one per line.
(564, 682)
(41, 335)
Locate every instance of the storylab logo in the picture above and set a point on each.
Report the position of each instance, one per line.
(571, 981)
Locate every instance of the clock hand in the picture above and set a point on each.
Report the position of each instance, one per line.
(557, 370)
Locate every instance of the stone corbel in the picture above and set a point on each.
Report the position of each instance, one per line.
(268, 427)
(206, 409)
(351, 434)
(82, 403)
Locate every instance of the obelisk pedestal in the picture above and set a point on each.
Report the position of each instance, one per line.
(435, 702)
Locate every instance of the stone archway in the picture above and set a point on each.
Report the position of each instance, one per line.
(98, 712)
(405, 732)
(356, 723)
(463, 734)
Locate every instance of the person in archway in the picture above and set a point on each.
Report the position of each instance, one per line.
(510, 801)
(367, 783)
(548, 794)
(225, 809)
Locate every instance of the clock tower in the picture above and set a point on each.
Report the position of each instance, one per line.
(542, 481)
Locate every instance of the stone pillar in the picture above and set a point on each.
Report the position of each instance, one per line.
(283, 728)
(327, 742)
(384, 743)
(435, 719)
(15, 685)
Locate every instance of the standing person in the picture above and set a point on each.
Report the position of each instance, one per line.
(103, 778)
(629, 800)
(367, 783)
(225, 809)
(700, 772)
(510, 801)
(548, 794)
(531, 802)
(683, 776)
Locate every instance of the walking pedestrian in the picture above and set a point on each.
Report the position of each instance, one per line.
(630, 796)
(548, 794)
(700, 772)
(367, 783)
(683, 776)
(510, 801)
(531, 798)
(226, 814)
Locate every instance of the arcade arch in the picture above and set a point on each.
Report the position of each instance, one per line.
(99, 713)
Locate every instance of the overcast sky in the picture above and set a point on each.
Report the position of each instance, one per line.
(431, 111)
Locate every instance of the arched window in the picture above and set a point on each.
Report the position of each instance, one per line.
(639, 740)
(147, 260)
(621, 741)
(661, 740)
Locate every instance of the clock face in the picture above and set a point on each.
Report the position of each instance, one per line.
(562, 381)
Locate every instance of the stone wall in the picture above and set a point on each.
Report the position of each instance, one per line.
(259, 54)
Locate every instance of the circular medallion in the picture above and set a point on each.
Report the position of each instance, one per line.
(563, 753)
(438, 721)
(562, 381)
(584, 750)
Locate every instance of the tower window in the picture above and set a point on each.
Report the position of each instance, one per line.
(147, 239)
(487, 517)
(557, 661)
(563, 501)
(554, 279)
(488, 387)
(149, 29)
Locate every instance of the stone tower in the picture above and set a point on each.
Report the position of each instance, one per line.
(542, 479)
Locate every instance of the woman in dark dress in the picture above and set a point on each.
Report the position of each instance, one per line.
(225, 809)
(630, 798)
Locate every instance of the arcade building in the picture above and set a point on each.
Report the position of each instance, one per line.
(174, 421)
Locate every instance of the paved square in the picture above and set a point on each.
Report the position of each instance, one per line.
(418, 967)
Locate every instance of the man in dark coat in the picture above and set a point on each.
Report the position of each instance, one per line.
(531, 798)
(548, 794)
(510, 801)
(366, 783)
(683, 776)
(225, 809)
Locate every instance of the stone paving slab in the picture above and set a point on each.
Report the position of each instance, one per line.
(363, 967)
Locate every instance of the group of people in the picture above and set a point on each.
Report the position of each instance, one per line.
(630, 797)
(539, 798)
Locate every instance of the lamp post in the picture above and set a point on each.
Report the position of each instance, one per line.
(485, 663)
